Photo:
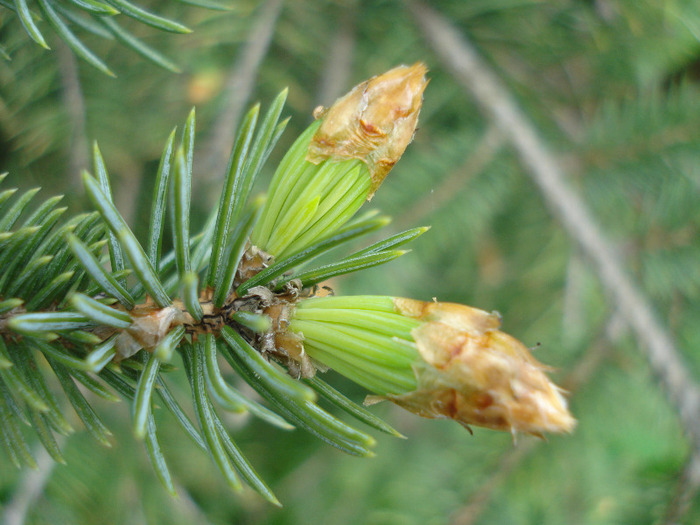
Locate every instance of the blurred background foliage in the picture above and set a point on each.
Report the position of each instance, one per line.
(611, 86)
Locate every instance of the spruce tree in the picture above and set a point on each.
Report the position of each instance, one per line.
(554, 163)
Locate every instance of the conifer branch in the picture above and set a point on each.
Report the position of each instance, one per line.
(97, 17)
(88, 319)
(236, 292)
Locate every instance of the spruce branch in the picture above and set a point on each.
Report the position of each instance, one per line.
(92, 332)
(124, 315)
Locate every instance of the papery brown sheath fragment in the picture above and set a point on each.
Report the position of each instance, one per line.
(374, 122)
(477, 375)
(149, 325)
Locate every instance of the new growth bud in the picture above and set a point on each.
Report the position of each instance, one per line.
(340, 161)
(437, 360)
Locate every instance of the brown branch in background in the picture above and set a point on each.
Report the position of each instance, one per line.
(336, 71)
(484, 152)
(238, 89)
(461, 59)
(73, 101)
(79, 158)
(579, 375)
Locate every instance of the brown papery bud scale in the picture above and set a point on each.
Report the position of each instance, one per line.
(374, 122)
(477, 375)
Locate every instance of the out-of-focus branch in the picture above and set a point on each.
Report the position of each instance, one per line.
(465, 64)
(470, 513)
(237, 90)
(336, 71)
(29, 488)
(74, 103)
(484, 152)
(189, 507)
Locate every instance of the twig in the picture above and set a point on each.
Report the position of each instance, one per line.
(459, 57)
(238, 88)
(79, 154)
(336, 72)
(74, 103)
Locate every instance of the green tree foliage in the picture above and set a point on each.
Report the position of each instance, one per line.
(610, 86)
